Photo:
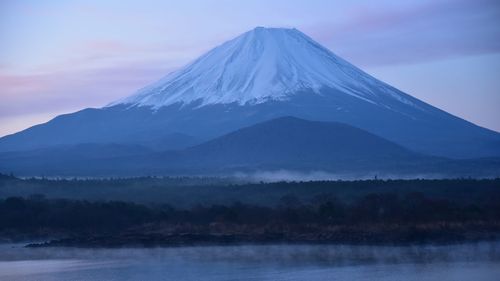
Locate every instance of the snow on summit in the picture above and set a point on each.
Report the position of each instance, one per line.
(260, 65)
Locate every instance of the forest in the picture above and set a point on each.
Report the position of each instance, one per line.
(186, 192)
(375, 211)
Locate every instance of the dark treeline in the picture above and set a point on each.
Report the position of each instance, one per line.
(186, 192)
(375, 217)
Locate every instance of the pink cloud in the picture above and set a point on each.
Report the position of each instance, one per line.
(100, 72)
(59, 90)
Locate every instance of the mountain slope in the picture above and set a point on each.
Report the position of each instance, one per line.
(295, 144)
(263, 74)
(291, 142)
(261, 65)
(286, 143)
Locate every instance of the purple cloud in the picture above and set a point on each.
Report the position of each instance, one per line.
(23, 94)
(430, 31)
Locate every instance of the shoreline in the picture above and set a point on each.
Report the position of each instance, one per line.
(50, 244)
(140, 240)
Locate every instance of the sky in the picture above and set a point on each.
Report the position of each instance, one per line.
(60, 56)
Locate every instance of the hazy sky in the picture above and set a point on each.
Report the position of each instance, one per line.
(61, 56)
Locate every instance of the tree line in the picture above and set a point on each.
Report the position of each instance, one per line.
(29, 215)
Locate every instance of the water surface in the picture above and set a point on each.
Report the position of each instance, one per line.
(478, 261)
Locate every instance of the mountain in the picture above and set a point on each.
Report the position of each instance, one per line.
(262, 65)
(262, 74)
(285, 143)
(289, 142)
(69, 160)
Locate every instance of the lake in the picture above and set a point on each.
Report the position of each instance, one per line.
(473, 261)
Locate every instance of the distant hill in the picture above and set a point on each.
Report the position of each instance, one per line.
(285, 143)
(290, 142)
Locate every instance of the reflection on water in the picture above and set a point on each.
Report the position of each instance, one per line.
(479, 261)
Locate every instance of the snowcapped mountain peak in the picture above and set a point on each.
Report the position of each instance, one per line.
(260, 65)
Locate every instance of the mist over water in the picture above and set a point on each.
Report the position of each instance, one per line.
(477, 261)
